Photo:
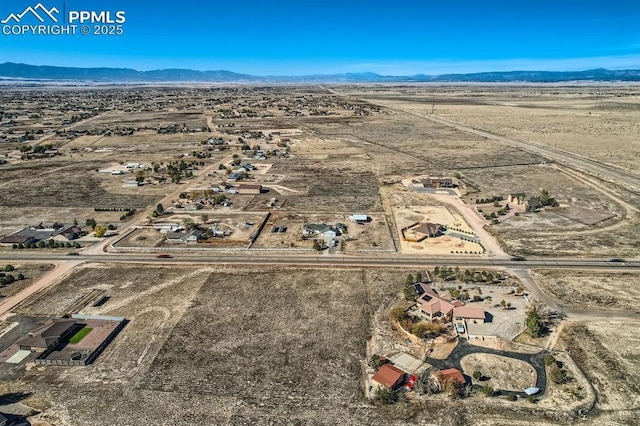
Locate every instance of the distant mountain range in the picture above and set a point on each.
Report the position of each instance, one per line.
(38, 73)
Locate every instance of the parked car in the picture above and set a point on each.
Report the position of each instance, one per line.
(460, 328)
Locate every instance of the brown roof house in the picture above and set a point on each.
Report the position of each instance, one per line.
(434, 305)
(49, 335)
(451, 374)
(476, 315)
(388, 377)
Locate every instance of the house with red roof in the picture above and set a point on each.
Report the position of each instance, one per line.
(451, 374)
(388, 377)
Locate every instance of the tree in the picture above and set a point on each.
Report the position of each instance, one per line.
(386, 396)
(410, 292)
(100, 230)
(487, 390)
(549, 360)
(160, 208)
(477, 375)
(140, 176)
(9, 268)
(409, 280)
(418, 277)
(189, 224)
(317, 246)
(375, 362)
(398, 313)
(558, 375)
(20, 277)
(205, 218)
(91, 223)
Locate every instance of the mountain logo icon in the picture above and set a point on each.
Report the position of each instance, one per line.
(50, 13)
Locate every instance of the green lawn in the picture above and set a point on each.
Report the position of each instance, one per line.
(80, 335)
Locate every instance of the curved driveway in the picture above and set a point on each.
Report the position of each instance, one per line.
(464, 348)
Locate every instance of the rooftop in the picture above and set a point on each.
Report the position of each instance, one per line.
(388, 375)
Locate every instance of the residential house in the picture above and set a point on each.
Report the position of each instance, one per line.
(67, 233)
(429, 229)
(28, 236)
(436, 182)
(327, 231)
(184, 237)
(532, 204)
(388, 377)
(49, 335)
(233, 177)
(516, 198)
(451, 374)
(461, 313)
(434, 305)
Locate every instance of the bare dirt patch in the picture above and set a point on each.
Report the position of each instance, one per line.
(31, 272)
(500, 372)
(610, 290)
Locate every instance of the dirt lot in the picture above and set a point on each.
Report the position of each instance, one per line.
(31, 273)
(144, 237)
(609, 290)
(500, 372)
(608, 353)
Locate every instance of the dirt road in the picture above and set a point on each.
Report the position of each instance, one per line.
(62, 269)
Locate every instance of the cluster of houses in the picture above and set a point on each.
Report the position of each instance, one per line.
(240, 172)
(34, 234)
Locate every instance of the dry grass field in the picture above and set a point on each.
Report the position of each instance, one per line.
(60, 185)
(608, 353)
(599, 122)
(596, 289)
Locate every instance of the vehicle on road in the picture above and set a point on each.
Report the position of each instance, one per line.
(616, 260)
(518, 258)
(164, 256)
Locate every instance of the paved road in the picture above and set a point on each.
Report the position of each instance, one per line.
(248, 258)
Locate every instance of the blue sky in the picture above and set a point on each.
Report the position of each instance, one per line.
(303, 37)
